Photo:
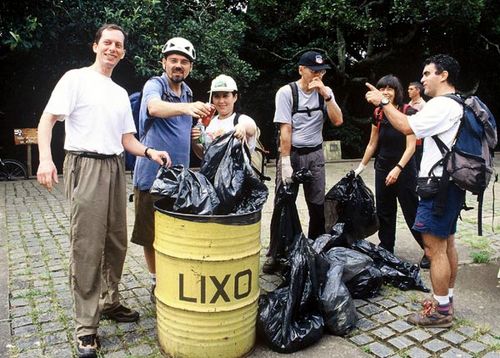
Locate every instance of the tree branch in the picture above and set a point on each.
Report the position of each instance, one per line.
(488, 42)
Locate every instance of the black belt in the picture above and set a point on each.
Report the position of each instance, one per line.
(306, 150)
(92, 155)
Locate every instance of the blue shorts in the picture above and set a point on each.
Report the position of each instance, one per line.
(445, 225)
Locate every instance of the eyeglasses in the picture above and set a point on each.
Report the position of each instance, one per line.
(320, 72)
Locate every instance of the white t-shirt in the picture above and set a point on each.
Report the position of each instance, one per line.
(96, 111)
(218, 127)
(441, 116)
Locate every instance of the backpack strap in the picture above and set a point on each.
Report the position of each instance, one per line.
(295, 101)
(295, 97)
(236, 119)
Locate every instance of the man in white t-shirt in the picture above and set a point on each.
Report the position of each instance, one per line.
(441, 116)
(99, 125)
(301, 140)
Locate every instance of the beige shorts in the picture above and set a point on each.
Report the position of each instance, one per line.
(144, 224)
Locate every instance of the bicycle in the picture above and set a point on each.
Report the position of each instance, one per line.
(11, 169)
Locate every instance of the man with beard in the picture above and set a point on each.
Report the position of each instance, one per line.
(165, 123)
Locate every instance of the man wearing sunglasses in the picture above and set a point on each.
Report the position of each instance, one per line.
(301, 108)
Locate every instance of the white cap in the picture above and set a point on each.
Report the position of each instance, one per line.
(223, 83)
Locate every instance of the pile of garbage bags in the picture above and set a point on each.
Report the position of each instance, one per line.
(322, 277)
(226, 183)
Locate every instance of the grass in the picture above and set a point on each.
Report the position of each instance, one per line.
(482, 249)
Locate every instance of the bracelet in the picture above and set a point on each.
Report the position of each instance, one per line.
(329, 98)
(400, 166)
(146, 154)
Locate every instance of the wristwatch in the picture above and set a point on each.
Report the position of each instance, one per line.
(384, 101)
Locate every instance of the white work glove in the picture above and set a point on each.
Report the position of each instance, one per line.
(286, 170)
(359, 169)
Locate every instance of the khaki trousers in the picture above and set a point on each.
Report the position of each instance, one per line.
(96, 189)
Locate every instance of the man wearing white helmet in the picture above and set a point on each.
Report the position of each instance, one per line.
(223, 95)
(165, 121)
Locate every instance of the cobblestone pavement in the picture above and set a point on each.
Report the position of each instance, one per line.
(34, 235)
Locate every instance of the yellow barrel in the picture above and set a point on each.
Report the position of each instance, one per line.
(207, 273)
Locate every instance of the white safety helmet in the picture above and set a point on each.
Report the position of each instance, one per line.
(223, 83)
(181, 46)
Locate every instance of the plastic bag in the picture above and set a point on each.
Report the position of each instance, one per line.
(285, 223)
(350, 201)
(288, 318)
(337, 305)
(335, 238)
(185, 191)
(360, 275)
(227, 165)
(395, 271)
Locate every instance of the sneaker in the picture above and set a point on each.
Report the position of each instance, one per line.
(425, 263)
(270, 266)
(152, 294)
(430, 317)
(120, 313)
(87, 346)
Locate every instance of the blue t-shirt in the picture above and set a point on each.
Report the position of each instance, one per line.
(172, 134)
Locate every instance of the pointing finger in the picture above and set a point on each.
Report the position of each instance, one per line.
(370, 86)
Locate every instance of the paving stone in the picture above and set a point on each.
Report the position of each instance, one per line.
(365, 324)
(400, 342)
(32, 353)
(52, 326)
(467, 330)
(417, 353)
(370, 310)
(27, 343)
(58, 350)
(400, 299)
(359, 302)
(473, 346)
(56, 338)
(419, 335)
(361, 339)
(380, 350)
(400, 326)
(492, 355)
(141, 350)
(455, 353)
(375, 299)
(21, 321)
(383, 317)
(436, 345)
(453, 337)
(117, 354)
(436, 331)
(489, 340)
(400, 311)
(383, 332)
(24, 330)
(387, 303)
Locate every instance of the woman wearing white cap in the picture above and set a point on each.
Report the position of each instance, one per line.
(223, 95)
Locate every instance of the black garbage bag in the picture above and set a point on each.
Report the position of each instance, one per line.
(289, 319)
(285, 223)
(337, 305)
(351, 202)
(335, 238)
(361, 276)
(227, 165)
(185, 191)
(399, 273)
(366, 284)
